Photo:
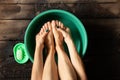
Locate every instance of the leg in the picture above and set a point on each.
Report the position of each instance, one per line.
(50, 68)
(75, 59)
(37, 68)
(66, 70)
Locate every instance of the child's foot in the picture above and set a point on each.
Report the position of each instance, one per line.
(40, 37)
(49, 41)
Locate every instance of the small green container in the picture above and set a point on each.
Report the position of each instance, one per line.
(78, 31)
(20, 54)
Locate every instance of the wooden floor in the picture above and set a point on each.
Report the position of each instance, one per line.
(101, 19)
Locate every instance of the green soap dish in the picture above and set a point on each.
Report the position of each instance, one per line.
(20, 53)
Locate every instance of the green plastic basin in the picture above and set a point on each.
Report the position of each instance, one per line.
(78, 33)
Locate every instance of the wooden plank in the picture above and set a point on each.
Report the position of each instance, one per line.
(103, 36)
(62, 1)
(17, 1)
(101, 24)
(19, 72)
(91, 10)
(102, 28)
(7, 62)
(13, 29)
(114, 9)
(2, 49)
(6, 49)
(103, 67)
(106, 1)
(54, 1)
(102, 56)
(17, 11)
(79, 1)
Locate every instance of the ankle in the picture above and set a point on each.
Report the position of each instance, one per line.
(68, 39)
(39, 46)
(51, 48)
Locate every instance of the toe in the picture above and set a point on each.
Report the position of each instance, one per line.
(41, 31)
(54, 27)
(57, 23)
(67, 30)
(61, 25)
(49, 26)
(46, 26)
(44, 33)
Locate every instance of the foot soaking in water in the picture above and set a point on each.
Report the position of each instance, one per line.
(51, 36)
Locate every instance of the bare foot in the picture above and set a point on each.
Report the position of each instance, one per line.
(65, 31)
(57, 35)
(40, 37)
(49, 41)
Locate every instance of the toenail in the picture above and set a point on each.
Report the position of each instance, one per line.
(47, 30)
(57, 26)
